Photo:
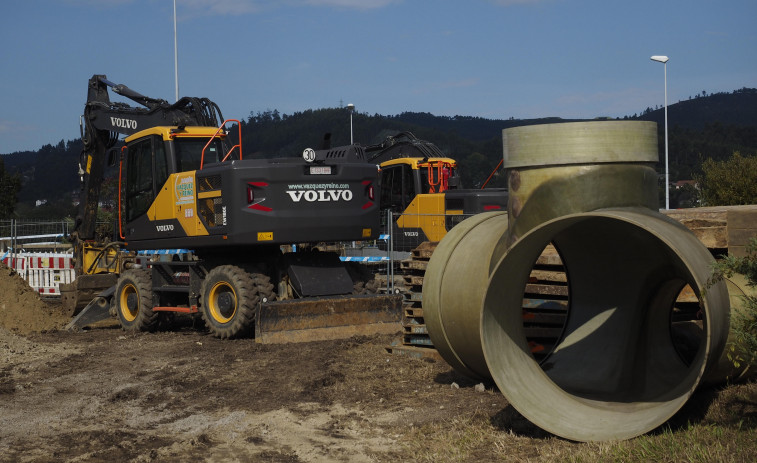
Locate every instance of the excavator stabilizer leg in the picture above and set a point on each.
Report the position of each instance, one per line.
(79, 293)
(98, 309)
(316, 319)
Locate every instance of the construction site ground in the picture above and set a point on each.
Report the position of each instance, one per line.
(181, 395)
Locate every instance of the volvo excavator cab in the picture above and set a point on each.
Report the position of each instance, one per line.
(162, 159)
(422, 188)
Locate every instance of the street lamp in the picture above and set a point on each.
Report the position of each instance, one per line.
(664, 61)
(351, 109)
(175, 53)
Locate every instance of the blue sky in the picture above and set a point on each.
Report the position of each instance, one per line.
(487, 58)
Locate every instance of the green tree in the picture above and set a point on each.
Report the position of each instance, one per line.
(9, 186)
(729, 182)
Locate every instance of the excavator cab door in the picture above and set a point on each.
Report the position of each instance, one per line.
(144, 171)
(398, 187)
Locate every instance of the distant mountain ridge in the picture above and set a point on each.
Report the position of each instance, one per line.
(738, 108)
(706, 125)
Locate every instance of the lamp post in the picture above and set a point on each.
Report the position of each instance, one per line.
(351, 109)
(175, 52)
(664, 61)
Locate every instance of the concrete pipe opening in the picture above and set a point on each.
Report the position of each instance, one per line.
(617, 371)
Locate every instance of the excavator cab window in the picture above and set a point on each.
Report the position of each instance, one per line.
(438, 177)
(397, 187)
(189, 152)
(146, 172)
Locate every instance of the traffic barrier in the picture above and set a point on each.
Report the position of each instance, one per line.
(44, 272)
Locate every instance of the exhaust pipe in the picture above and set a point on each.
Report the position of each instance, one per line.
(624, 363)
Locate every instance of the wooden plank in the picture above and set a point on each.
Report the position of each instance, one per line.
(553, 290)
(549, 257)
(414, 312)
(744, 218)
(414, 297)
(720, 227)
(711, 237)
(417, 340)
(419, 265)
(740, 236)
(413, 280)
(548, 275)
(687, 295)
(424, 250)
(415, 329)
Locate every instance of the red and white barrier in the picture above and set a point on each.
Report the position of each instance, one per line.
(44, 272)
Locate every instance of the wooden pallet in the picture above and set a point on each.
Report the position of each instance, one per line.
(413, 270)
(721, 228)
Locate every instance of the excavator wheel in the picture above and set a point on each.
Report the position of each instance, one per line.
(230, 298)
(133, 301)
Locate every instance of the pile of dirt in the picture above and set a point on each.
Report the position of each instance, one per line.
(22, 311)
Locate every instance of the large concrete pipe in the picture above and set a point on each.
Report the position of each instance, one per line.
(617, 372)
(453, 289)
(567, 168)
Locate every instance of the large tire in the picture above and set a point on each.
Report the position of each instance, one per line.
(230, 298)
(133, 301)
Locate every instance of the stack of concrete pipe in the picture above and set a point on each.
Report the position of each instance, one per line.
(591, 190)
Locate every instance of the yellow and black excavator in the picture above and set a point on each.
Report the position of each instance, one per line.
(183, 185)
(421, 186)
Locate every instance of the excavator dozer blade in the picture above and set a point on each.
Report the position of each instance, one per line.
(318, 319)
(79, 293)
(98, 309)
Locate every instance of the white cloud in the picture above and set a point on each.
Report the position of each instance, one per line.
(353, 4)
(515, 2)
(195, 8)
(222, 7)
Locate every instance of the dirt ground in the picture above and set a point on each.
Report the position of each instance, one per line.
(182, 395)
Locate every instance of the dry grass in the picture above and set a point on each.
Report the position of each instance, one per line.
(717, 425)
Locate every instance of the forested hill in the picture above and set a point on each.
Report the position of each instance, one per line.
(738, 108)
(704, 126)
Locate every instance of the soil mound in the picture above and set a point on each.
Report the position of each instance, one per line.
(22, 311)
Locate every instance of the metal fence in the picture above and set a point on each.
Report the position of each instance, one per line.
(396, 244)
(383, 256)
(14, 232)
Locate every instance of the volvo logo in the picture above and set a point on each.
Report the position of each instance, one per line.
(320, 195)
(123, 123)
